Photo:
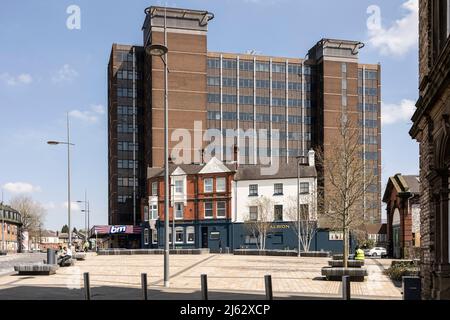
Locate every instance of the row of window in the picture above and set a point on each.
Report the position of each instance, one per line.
(370, 139)
(127, 182)
(126, 128)
(127, 146)
(260, 117)
(182, 235)
(125, 92)
(208, 210)
(261, 101)
(368, 91)
(128, 75)
(127, 164)
(6, 214)
(277, 212)
(124, 56)
(369, 107)
(277, 189)
(369, 123)
(126, 110)
(264, 84)
(369, 74)
(245, 65)
(208, 185)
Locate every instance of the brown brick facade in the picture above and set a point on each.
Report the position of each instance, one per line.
(431, 130)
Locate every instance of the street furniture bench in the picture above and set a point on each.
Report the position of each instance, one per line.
(36, 269)
(80, 256)
(356, 274)
(350, 263)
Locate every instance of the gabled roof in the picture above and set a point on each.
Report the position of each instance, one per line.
(214, 166)
(405, 185)
(285, 171)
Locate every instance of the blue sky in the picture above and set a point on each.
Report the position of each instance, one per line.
(47, 70)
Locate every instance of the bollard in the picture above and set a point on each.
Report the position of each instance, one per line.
(87, 288)
(51, 256)
(204, 279)
(268, 281)
(144, 285)
(346, 288)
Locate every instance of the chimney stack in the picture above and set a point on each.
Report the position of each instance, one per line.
(235, 155)
(311, 158)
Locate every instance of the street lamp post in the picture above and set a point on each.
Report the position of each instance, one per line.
(300, 162)
(159, 50)
(68, 173)
(86, 214)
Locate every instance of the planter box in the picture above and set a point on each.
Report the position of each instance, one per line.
(336, 274)
(351, 263)
(36, 269)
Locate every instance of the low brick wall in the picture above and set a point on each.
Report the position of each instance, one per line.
(256, 252)
(316, 254)
(112, 252)
(288, 253)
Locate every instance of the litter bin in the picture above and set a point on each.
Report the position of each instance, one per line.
(411, 288)
(51, 256)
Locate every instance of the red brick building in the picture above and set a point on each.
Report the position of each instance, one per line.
(402, 198)
(200, 206)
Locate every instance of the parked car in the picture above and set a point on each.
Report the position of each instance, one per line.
(377, 252)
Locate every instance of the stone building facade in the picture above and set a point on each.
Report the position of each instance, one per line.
(431, 128)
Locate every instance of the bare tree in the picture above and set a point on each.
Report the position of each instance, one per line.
(306, 228)
(259, 227)
(346, 179)
(32, 212)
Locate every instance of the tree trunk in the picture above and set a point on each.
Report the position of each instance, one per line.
(345, 255)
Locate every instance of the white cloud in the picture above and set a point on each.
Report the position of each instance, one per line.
(49, 205)
(23, 78)
(75, 206)
(401, 36)
(65, 74)
(394, 113)
(89, 116)
(98, 108)
(21, 187)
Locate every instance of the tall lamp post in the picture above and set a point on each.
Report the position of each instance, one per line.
(300, 162)
(86, 214)
(159, 50)
(68, 173)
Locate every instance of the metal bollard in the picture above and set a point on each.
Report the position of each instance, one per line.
(268, 282)
(144, 285)
(87, 288)
(346, 293)
(51, 256)
(204, 280)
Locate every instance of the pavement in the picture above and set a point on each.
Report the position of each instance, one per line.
(229, 277)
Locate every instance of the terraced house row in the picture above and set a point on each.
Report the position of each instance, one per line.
(269, 109)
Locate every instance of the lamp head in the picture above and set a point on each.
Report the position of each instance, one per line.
(157, 50)
(52, 142)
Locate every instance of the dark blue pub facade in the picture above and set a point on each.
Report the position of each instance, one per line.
(219, 236)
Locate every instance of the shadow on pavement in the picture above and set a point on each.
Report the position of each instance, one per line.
(121, 293)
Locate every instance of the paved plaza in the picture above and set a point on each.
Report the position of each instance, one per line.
(229, 277)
